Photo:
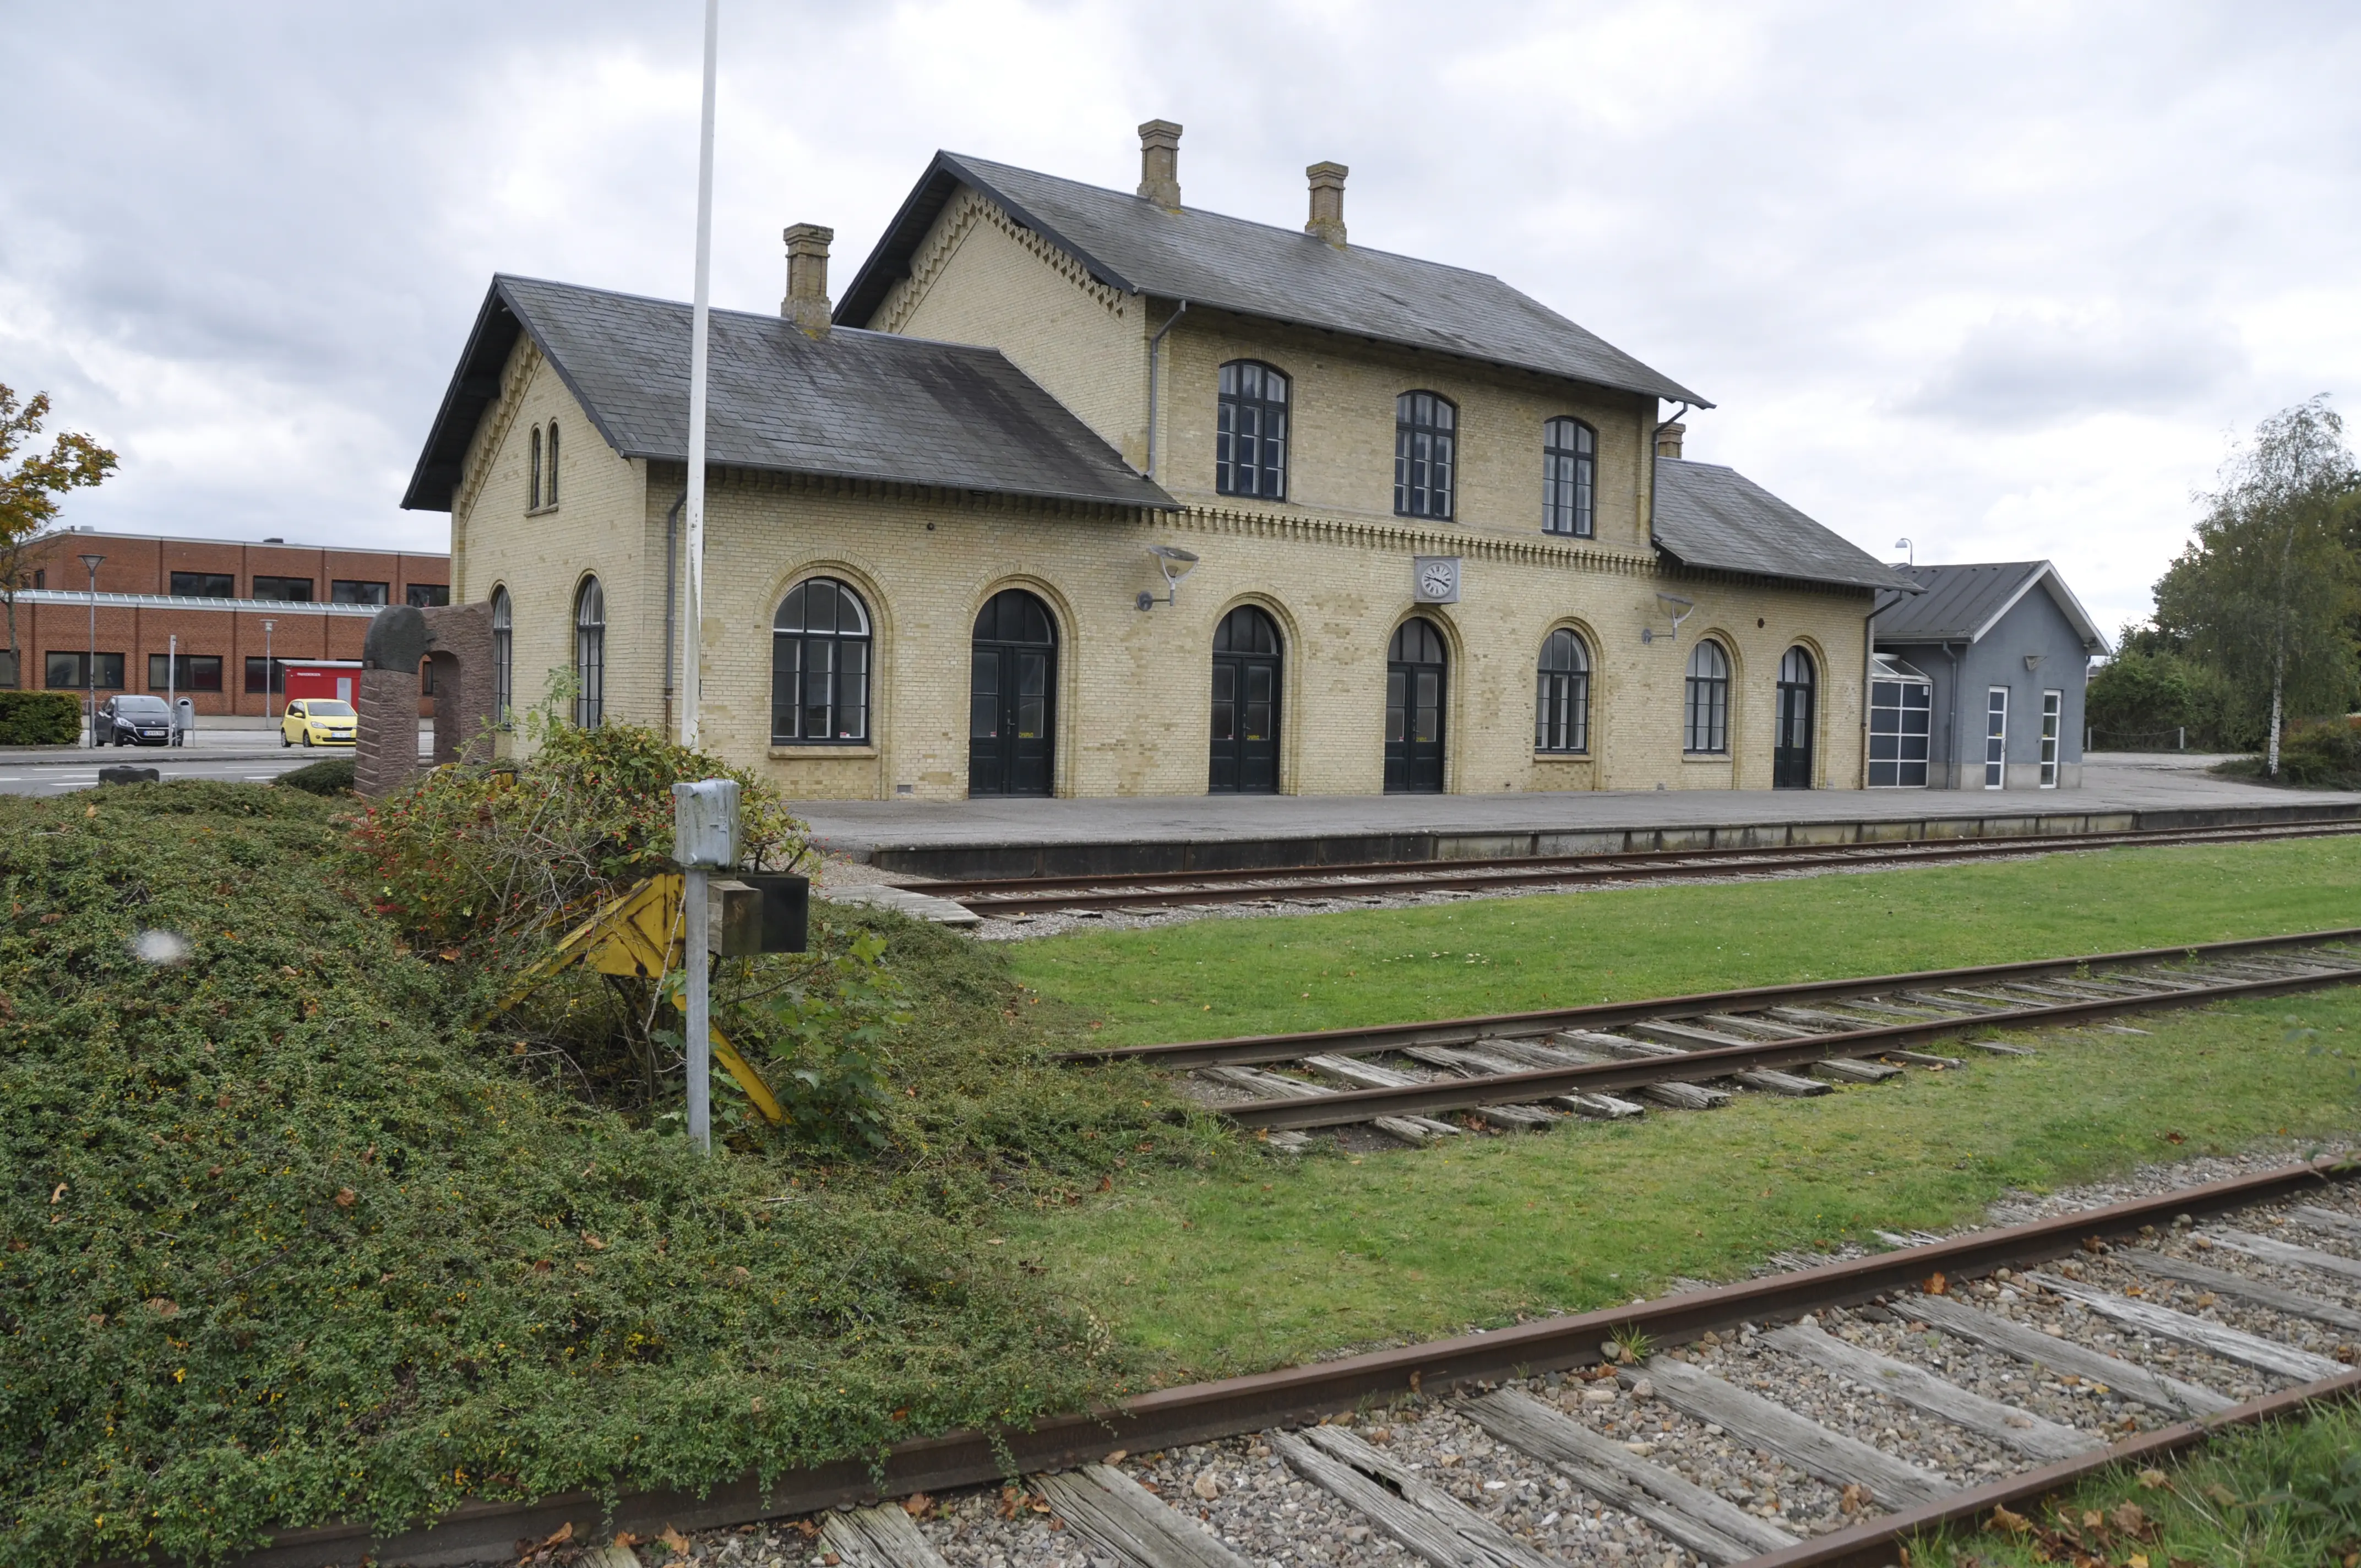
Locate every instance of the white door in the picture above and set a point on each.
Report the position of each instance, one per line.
(1995, 737)
(344, 689)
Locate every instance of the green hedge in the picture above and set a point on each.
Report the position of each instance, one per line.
(333, 777)
(39, 719)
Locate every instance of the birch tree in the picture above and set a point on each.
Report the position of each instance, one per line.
(2264, 591)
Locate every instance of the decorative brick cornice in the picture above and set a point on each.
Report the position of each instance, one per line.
(965, 211)
(1371, 534)
(492, 431)
(668, 476)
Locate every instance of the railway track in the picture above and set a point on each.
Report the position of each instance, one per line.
(1002, 898)
(1819, 1416)
(1531, 1070)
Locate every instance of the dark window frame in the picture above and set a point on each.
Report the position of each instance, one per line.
(533, 481)
(1569, 477)
(278, 594)
(799, 652)
(1235, 409)
(503, 654)
(81, 667)
(181, 585)
(589, 654)
(1561, 696)
(162, 677)
(258, 674)
(426, 596)
(1426, 454)
(1704, 704)
(340, 591)
(549, 473)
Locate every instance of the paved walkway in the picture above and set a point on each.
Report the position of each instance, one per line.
(2111, 783)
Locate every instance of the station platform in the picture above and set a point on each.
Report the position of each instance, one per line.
(1016, 837)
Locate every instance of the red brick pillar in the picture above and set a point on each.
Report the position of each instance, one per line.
(386, 750)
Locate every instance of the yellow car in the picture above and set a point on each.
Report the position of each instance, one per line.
(317, 721)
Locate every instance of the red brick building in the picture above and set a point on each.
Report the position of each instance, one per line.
(216, 597)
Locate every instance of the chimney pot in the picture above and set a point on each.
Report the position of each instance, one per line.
(1327, 202)
(1159, 164)
(1668, 440)
(806, 304)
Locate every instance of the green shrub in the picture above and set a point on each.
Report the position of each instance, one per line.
(282, 1241)
(331, 778)
(2142, 700)
(39, 719)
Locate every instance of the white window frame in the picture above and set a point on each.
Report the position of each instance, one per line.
(1996, 740)
(2053, 713)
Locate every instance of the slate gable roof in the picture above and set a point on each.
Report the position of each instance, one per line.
(1708, 515)
(1258, 269)
(859, 405)
(1961, 603)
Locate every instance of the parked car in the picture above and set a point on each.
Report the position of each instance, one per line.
(317, 721)
(135, 721)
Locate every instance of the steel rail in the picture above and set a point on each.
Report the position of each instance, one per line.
(1146, 889)
(487, 1532)
(1245, 1050)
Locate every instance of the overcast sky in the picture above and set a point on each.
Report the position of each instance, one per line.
(2006, 278)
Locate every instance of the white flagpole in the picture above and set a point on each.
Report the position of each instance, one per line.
(693, 607)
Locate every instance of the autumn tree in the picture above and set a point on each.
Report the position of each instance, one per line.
(29, 492)
(2266, 591)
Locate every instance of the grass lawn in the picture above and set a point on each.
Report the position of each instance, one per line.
(1214, 1274)
(1225, 977)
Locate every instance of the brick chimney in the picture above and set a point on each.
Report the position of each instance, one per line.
(1159, 164)
(807, 303)
(1668, 440)
(1327, 202)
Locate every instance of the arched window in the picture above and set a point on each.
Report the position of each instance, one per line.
(819, 665)
(1425, 454)
(503, 656)
(533, 480)
(1562, 697)
(1709, 700)
(1250, 450)
(1245, 704)
(1417, 660)
(589, 654)
(1791, 747)
(549, 477)
(1012, 697)
(1569, 456)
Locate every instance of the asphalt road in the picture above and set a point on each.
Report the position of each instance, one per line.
(47, 777)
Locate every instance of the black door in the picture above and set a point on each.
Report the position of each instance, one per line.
(1012, 682)
(1791, 752)
(1415, 672)
(1245, 704)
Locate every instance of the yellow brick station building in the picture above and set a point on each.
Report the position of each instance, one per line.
(1087, 493)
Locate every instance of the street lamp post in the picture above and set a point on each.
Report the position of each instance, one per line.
(90, 667)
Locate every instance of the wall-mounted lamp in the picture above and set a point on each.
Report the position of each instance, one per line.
(1675, 606)
(1909, 551)
(1176, 563)
(2032, 663)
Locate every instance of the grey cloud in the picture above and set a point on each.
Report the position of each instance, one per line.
(2023, 369)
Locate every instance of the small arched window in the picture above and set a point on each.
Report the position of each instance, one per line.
(503, 656)
(589, 654)
(1708, 727)
(1250, 448)
(1426, 439)
(819, 665)
(533, 478)
(1569, 458)
(1562, 697)
(549, 476)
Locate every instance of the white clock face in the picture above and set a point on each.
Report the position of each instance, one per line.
(1438, 580)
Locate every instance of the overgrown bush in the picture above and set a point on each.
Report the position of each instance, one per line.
(39, 719)
(2144, 699)
(332, 778)
(2319, 756)
(282, 1240)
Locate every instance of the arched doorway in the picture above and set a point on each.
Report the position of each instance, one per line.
(1791, 752)
(1245, 704)
(1012, 686)
(1415, 689)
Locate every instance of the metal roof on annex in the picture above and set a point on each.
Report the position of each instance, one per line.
(1961, 603)
(1707, 515)
(1259, 270)
(855, 405)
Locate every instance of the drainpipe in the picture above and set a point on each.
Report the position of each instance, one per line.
(672, 579)
(1654, 435)
(1868, 679)
(1154, 344)
(1951, 721)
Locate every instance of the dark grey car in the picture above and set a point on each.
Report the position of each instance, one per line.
(135, 721)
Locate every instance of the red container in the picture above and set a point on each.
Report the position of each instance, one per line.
(338, 678)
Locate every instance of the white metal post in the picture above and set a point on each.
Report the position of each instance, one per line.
(173, 688)
(90, 671)
(692, 618)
